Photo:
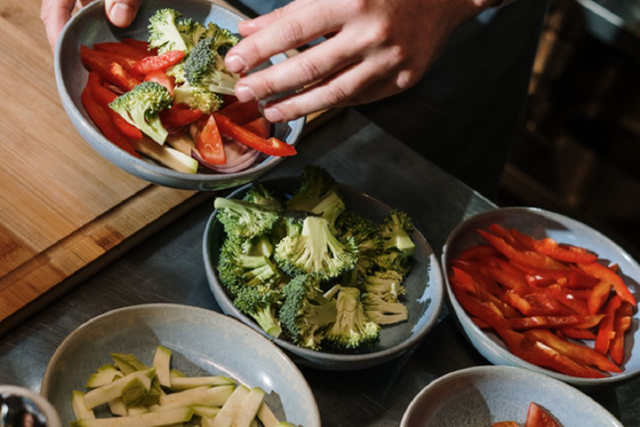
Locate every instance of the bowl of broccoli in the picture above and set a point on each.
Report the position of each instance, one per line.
(163, 154)
(335, 277)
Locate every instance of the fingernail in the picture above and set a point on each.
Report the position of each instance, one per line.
(234, 63)
(122, 14)
(273, 114)
(244, 93)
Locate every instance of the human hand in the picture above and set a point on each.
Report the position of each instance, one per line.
(378, 48)
(56, 13)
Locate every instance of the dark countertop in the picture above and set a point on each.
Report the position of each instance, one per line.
(168, 267)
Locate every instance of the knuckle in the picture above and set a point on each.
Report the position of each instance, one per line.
(293, 33)
(264, 86)
(336, 94)
(406, 79)
(378, 34)
(308, 70)
(356, 6)
(397, 55)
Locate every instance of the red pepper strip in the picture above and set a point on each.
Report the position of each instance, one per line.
(271, 146)
(500, 231)
(507, 276)
(516, 301)
(578, 352)
(104, 96)
(475, 252)
(599, 294)
(110, 71)
(574, 320)
(566, 253)
(101, 118)
(578, 334)
(615, 268)
(121, 49)
(605, 273)
(241, 112)
(567, 298)
(209, 143)
(159, 63)
(161, 78)
(260, 126)
(485, 311)
(127, 63)
(482, 290)
(569, 277)
(545, 305)
(620, 326)
(539, 417)
(505, 424)
(480, 323)
(141, 45)
(606, 331)
(524, 239)
(530, 258)
(179, 115)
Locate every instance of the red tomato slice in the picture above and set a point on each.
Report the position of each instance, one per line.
(537, 416)
(160, 77)
(209, 143)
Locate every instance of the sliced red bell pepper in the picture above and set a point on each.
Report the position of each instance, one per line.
(566, 253)
(480, 323)
(500, 231)
(567, 298)
(123, 49)
(485, 311)
(242, 112)
(127, 63)
(104, 97)
(524, 240)
(530, 258)
(478, 287)
(179, 115)
(476, 252)
(101, 118)
(543, 304)
(108, 70)
(578, 352)
(505, 424)
(271, 146)
(518, 302)
(161, 78)
(520, 323)
(260, 126)
(158, 63)
(578, 334)
(569, 277)
(506, 275)
(606, 332)
(598, 296)
(141, 45)
(603, 272)
(621, 325)
(539, 417)
(209, 143)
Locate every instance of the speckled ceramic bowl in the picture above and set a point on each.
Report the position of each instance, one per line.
(90, 26)
(479, 396)
(540, 223)
(203, 342)
(424, 289)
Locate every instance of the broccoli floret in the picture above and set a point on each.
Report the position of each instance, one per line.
(177, 72)
(330, 207)
(198, 98)
(382, 311)
(237, 269)
(261, 303)
(387, 284)
(258, 246)
(393, 260)
(285, 226)
(395, 233)
(204, 67)
(164, 33)
(191, 31)
(316, 250)
(141, 107)
(316, 183)
(244, 220)
(352, 329)
(259, 195)
(223, 39)
(306, 313)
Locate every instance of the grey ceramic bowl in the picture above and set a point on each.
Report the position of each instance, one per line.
(479, 396)
(90, 26)
(424, 288)
(540, 223)
(202, 342)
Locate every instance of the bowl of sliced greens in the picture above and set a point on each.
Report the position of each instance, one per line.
(156, 99)
(168, 364)
(335, 277)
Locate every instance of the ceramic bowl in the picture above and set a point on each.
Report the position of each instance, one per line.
(482, 395)
(540, 223)
(424, 288)
(90, 26)
(203, 342)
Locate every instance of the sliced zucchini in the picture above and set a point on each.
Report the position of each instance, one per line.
(249, 408)
(164, 418)
(117, 407)
(183, 383)
(128, 363)
(209, 396)
(169, 157)
(232, 408)
(162, 361)
(105, 374)
(267, 417)
(80, 408)
(205, 411)
(104, 394)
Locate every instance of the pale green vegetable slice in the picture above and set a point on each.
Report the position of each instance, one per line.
(266, 416)
(128, 383)
(207, 421)
(183, 383)
(231, 409)
(128, 363)
(205, 411)
(80, 408)
(105, 374)
(249, 408)
(117, 407)
(162, 361)
(214, 396)
(138, 410)
(164, 418)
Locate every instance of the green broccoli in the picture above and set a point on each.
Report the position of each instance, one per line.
(352, 329)
(387, 284)
(316, 250)
(285, 226)
(164, 33)
(204, 67)
(306, 313)
(329, 207)
(382, 311)
(223, 39)
(393, 260)
(395, 232)
(141, 107)
(237, 270)
(261, 303)
(364, 232)
(258, 246)
(177, 72)
(259, 195)
(244, 220)
(191, 31)
(196, 97)
(316, 183)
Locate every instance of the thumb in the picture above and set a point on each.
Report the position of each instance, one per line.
(121, 13)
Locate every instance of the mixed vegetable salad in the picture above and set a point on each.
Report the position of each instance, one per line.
(312, 271)
(171, 98)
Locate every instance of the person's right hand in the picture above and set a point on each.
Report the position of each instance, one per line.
(56, 13)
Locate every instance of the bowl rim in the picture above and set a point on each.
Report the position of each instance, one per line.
(151, 171)
(437, 298)
(487, 342)
(48, 373)
(490, 371)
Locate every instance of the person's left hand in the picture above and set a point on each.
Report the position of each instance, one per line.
(377, 48)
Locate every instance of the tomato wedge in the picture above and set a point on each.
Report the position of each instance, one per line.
(537, 416)
(158, 63)
(271, 146)
(179, 115)
(241, 112)
(209, 143)
(162, 78)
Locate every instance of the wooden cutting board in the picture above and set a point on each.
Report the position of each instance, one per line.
(64, 210)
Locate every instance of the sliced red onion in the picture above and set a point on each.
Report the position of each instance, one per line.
(236, 165)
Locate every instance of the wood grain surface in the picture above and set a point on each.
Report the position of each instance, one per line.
(62, 206)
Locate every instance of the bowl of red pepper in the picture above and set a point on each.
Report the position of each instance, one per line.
(538, 290)
(129, 97)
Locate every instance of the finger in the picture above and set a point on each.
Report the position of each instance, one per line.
(83, 3)
(54, 14)
(250, 26)
(121, 13)
(314, 64)
(293, 30)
